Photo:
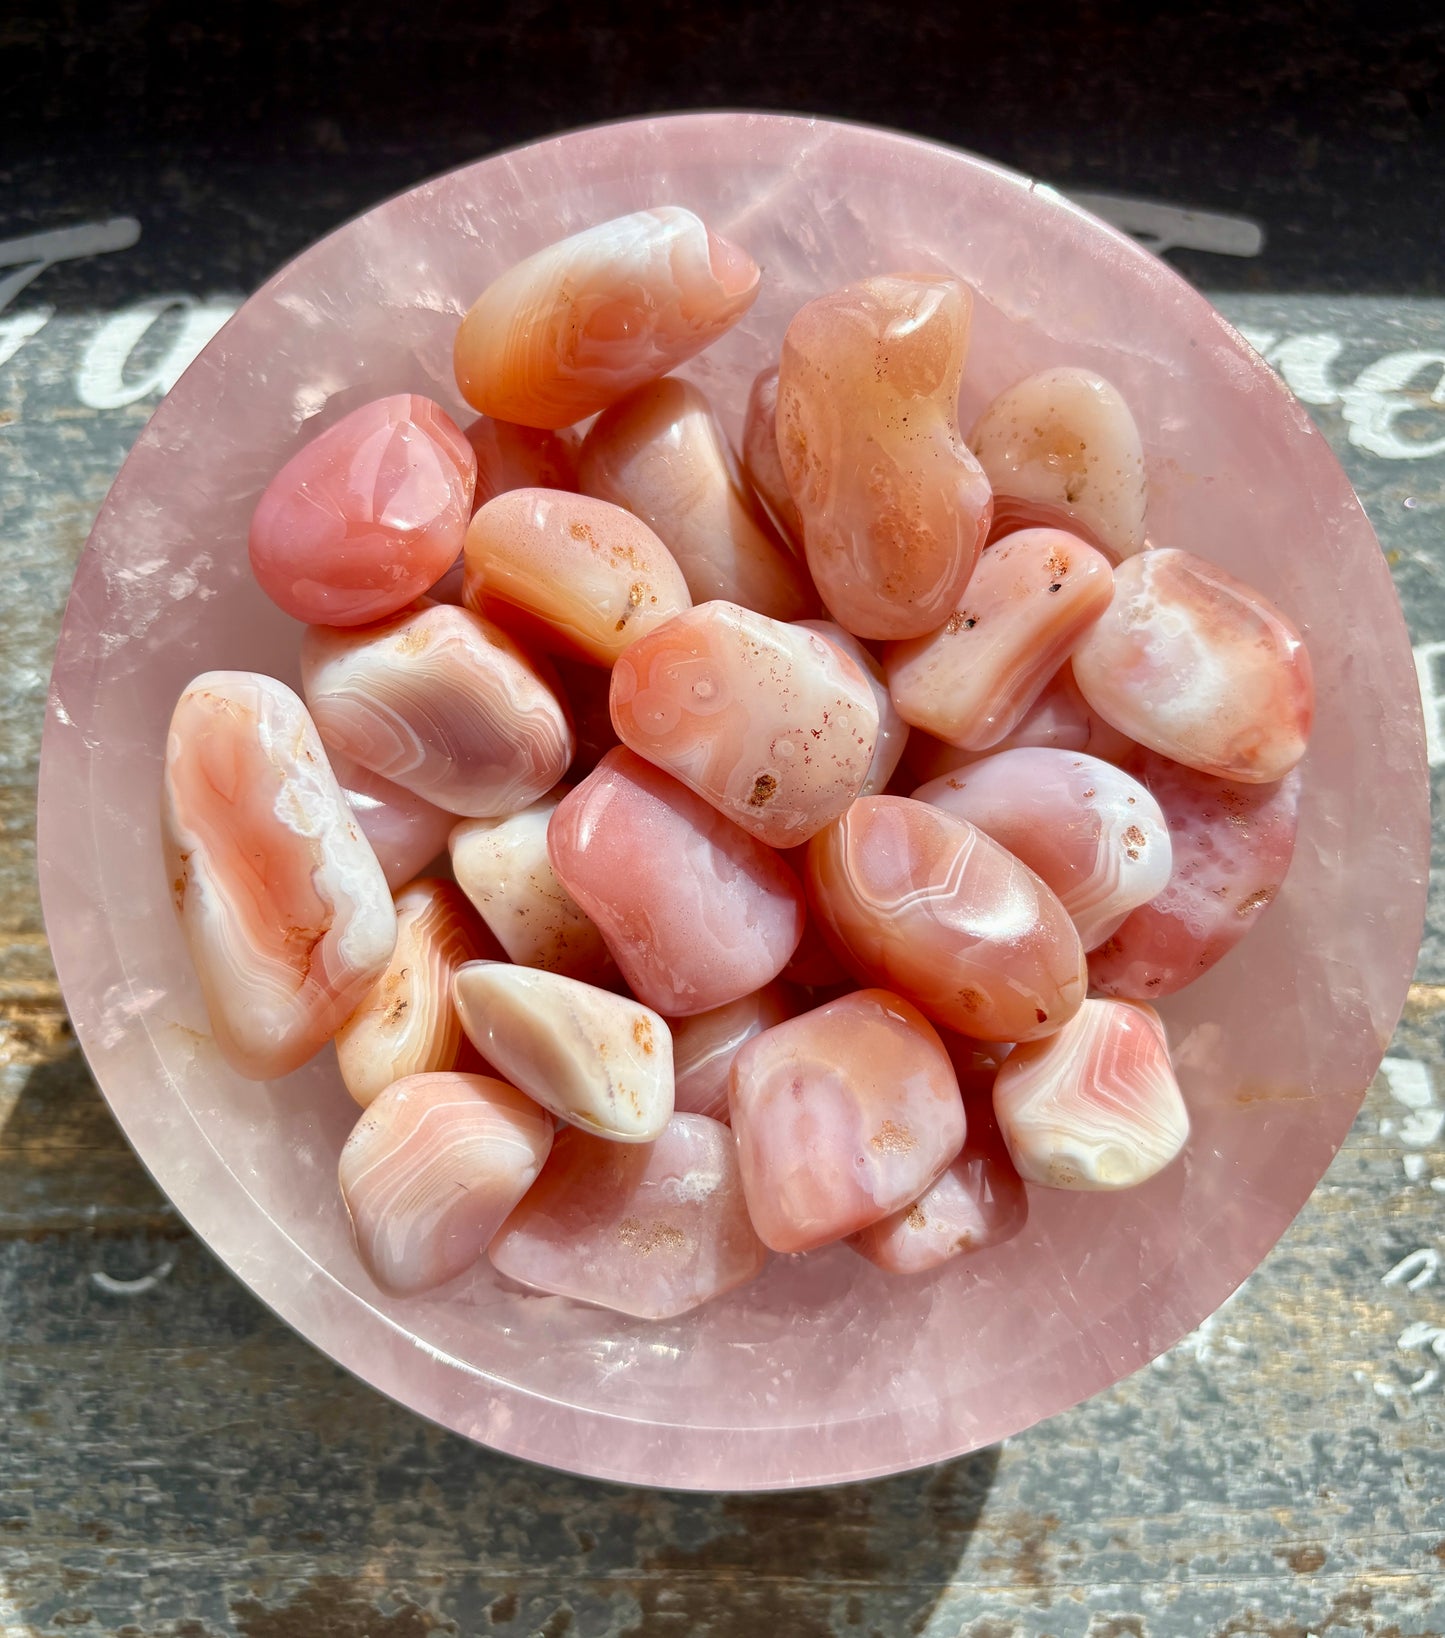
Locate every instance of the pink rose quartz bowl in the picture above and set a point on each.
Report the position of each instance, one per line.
(823, 1369)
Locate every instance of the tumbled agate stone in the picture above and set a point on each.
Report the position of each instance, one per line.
(842, 1116)
(662, 454)
(704, 1046)
(928, 905)
(513, 457)
(651, 1231)
(894, 506)
(1095, 1106)
(443, 702)
(366, 516)
(892, 729)
(592, 577)
(1028, 602)
(406, 1023)
(431, 1171)
(768, 722)
(576, 326)
(284, 908)
(1093, 833)
(406, 832)
(761, 461)
(1061, 447)
(1200, 667)
(1231, 845)
(695, 911)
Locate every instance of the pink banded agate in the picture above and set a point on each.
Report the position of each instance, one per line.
(406, 832)
(892, 729)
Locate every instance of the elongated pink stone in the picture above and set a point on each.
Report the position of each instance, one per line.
(1093, 833)
(577, 325)
(1031, 598)
(931, 907)
(892, 729)
(513, 457)
(770, 723)
(1200, 667)
(406, 832)
(651, 1231)
(704, 1046)
(761, 461)
(442, 702)
(283, 905)
(695, 911)
(842, 1116)
(1095, 1106)
(1232, 845)
(431, 1171)
(366, 516)
(895, 507)
(662, 454)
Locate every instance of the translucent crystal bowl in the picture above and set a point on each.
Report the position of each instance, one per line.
(823, 1369)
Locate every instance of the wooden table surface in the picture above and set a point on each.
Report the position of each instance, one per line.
(173, 1461)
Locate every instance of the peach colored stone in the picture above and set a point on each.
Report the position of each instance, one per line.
(842, 1116)
(598, 1060)
(1232, 846)
(1095, 1106)
(1031, 598)
(928, 905)
(1200, 667)
(662, 454)
(366, 516)
(1061, 447)
(768, 722)
(580, 323)
(1093, 833)
(442, 702)
(696, 912)
(431, 1171)
(405, 831)
(284, 908)
(894, 506)
(503, 868)
(704, 1046)
(513, 457)
(762, 464)
(892, 729)
(652, 1232)
(592, 577)
(406, 1023)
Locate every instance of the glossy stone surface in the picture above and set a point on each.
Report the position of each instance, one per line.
(366, 516)
(892, 729)
(431, 1171)
(768, 722)
(406, 832)
(1061, 447)
(406, 1023)
(578, 324)
(1091, 831)
(512, 457)
(1200, 667)
(1029, 601)
(704, 1046)
(761, 462)
(662, 454)
(442, 702)
(595, 1059)
(1232, 846)
(652, 1231)
(592, 577)
(928, 905)
(1096, 1106)
(285, 910)
(696, 912)
(894, 506)
(842, 1116)
(503, 868)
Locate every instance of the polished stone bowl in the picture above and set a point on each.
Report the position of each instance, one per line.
(824, 1368)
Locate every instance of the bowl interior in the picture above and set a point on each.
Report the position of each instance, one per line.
(824, 1369)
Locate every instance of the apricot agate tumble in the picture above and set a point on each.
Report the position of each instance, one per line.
(930, 906)
(842, 1116)
(651, 1231)
(1200, 667)
(431, 1170)
(894, 506)
(576, 326)
(366, 516)
(769, 722)
(696, 912)
(662, 454)
(892, 729)
(283, 905)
